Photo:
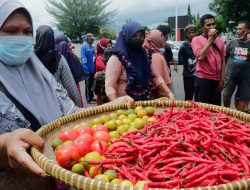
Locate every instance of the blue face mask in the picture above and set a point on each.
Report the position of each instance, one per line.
(162, 50)
(15, 50)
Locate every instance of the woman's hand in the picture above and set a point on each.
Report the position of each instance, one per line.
(14, 152)
(125, 99)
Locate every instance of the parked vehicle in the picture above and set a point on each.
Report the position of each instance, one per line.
(175, 47)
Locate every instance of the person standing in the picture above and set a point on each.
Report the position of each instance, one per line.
(238, 68)
(87, 56)
(47, 51)
(128, 70)
(168, 54)
(154, 41)
(210, 63)
(187, 59)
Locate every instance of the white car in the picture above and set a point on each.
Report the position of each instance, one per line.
(175, 47)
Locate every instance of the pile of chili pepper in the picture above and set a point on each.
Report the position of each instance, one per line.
(189, 147)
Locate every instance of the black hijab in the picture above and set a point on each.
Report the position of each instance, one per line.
(45, 48)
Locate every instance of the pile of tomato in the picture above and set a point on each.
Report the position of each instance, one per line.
(76, 147)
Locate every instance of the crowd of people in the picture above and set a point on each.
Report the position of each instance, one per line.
(40, 83)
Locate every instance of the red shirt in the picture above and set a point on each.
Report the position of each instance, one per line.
(99, 65)
(210, 66)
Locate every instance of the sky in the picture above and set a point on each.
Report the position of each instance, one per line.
(146, 12)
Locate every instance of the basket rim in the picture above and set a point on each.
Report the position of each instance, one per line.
(81, 182)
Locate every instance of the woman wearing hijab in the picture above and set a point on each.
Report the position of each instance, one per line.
(155, 43)
(74, 63)
(46, 51)
(29, 95)
(29, 98)
(128, 70)
(102, 45)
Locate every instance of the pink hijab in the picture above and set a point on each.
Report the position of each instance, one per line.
(154, 41)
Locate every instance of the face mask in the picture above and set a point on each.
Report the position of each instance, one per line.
(136, 43)
(15, 50)
(162, 50)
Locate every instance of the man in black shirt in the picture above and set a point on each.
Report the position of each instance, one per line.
(187, 58)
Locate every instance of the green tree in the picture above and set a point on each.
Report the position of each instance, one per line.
(189, 14)
(77, 17)
(108, 32)
(231, 11)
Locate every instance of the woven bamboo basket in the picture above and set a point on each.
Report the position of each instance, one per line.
(46, 159)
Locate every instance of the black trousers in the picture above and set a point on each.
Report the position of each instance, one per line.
(188, 82)
(88, 87)
(205, 91)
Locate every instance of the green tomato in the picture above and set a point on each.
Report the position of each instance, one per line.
(102, 177)
(116, 181)
(114, 134)
(127, 182)
(111, 174)
(139, 123)
(56, 142)
(77, 168)
(111, 125)
(67, 143)
(120, 112)
(150, 110)
(92, 156)
(129, 111)
(113, 116)
(132, 116)
(121, 117)
(140, 183)
(96, 121)
(123, 129)
(92, 171)
(141, 113)
(130, 129)
(105, 118)
(138, 108)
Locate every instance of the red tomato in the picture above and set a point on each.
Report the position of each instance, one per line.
(68, 135)
(99, 146)
(101, 136)
(82, 146)
(67, 156)
(84, 129)
(100, 128)
(86, 137)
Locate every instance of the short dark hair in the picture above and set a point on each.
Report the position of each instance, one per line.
(165, 29)
(247, 24)
(205, 17)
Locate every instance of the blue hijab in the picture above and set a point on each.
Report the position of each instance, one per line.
(136, 62)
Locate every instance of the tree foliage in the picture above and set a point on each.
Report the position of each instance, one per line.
(231, 11)
(190, 17)
(195, 20)
(78, 17)
(107, 32)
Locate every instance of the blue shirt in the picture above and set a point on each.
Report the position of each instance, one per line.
(87, 55)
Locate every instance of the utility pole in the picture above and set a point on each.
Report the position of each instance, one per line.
(176, 20)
